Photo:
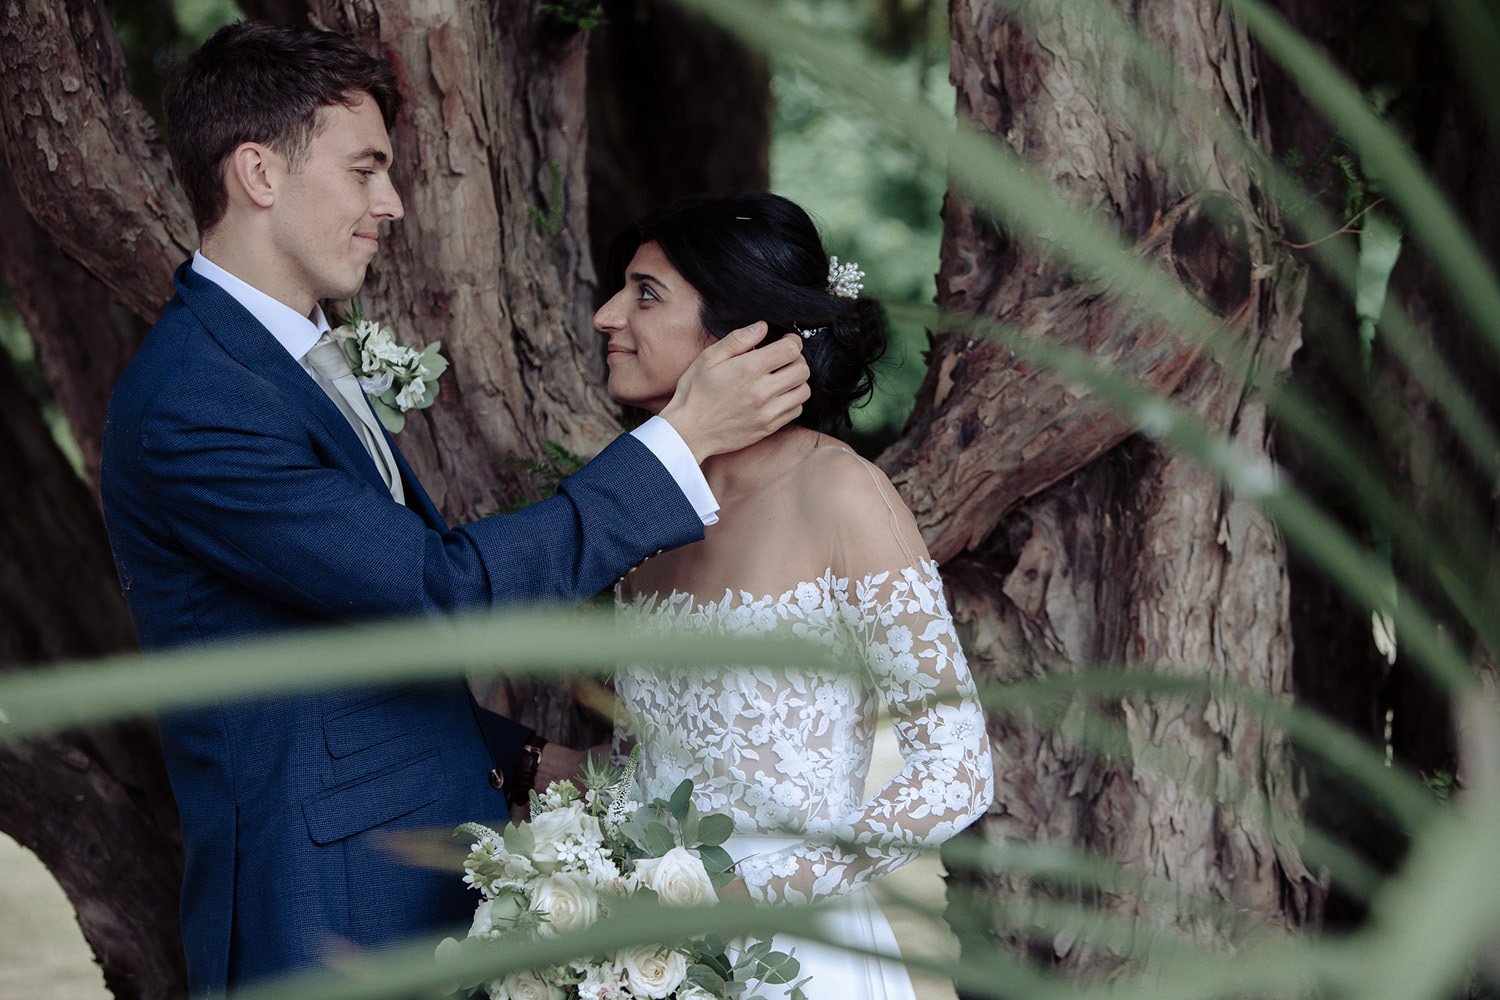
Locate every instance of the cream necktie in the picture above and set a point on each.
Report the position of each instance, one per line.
(332, 373)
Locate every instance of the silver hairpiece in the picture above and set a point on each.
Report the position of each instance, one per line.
(810, 332)
(845, 280)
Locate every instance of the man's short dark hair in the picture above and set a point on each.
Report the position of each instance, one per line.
(257, 82)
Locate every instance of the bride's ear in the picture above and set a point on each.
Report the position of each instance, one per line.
(251, 174)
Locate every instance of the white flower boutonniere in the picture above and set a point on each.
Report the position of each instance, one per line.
(397, 378)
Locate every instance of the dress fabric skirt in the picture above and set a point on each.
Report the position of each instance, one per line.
(854, 919)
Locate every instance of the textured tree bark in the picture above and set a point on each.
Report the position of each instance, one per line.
(93, 806)
(1092, 546)
(85, 155)
(83, 336)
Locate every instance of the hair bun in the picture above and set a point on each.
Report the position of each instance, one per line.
(841, 360)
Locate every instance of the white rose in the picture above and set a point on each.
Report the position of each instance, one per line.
(552, 828)
(569, 903)
(524, 986)
(651, 972)
(692, 991)
(678, 878)
(375, 384)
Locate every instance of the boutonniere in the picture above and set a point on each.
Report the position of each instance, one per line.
(397, 378)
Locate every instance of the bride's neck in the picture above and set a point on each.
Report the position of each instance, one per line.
(737, 474)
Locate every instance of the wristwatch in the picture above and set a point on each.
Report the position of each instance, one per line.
(526, 767)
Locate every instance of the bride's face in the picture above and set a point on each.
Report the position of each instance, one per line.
(653, 329)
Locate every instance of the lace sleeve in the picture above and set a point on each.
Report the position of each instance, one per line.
(905, 633)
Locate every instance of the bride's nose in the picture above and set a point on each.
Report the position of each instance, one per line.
(611, 315)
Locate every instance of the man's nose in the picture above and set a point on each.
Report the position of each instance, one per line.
(388, 205)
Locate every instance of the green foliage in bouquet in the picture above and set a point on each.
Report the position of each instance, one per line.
(581, 855)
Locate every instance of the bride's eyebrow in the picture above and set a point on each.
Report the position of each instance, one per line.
(642, 276)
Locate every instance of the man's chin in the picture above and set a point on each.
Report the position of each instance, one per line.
(346, 290)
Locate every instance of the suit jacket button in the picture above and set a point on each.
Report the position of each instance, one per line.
(497, 780)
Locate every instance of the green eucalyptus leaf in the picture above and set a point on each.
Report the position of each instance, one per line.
(779, 968)
(681, 796)
(519, 839)
(659, 839)
(715, 859)
(714, 829)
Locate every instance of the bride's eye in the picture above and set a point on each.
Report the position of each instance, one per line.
(647, 295)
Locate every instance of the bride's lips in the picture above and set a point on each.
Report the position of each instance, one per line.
(615, 350)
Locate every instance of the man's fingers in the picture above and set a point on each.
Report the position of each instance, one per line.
(775, 356)
(741, 341)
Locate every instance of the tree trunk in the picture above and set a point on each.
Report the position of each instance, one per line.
(85, 155)
(93, 806)
(1073, 543)
(83, 337)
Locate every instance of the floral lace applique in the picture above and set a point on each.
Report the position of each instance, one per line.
(788, 750)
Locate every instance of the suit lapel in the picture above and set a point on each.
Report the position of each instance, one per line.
(416, 497)
(252, 345)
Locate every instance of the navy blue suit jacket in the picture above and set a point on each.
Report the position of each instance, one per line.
(240, 503)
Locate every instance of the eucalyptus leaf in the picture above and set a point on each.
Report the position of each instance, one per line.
(779, 968)
(681, 796)
(715, 859)
(714, 829)
(519, 839)
(659, 839)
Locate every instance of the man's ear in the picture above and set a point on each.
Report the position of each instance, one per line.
(253, 172)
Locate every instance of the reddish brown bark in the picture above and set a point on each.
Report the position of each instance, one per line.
(1086, 545)
(85, 155)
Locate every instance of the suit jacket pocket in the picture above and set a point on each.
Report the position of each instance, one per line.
(354, 724)
(357, 806)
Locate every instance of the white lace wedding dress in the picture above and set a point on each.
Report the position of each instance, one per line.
(786, 752)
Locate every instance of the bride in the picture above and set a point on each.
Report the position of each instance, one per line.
(812, 540)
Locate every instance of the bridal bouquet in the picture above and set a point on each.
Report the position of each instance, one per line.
(582, 852)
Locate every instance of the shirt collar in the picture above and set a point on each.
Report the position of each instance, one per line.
(293, 331)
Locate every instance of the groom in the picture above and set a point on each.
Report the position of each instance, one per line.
(246, 494)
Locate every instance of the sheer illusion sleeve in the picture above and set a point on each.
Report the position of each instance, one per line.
(892, 602)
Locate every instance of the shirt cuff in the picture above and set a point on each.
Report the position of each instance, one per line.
(669, 448)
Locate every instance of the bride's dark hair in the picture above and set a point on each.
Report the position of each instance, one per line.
(759, 257)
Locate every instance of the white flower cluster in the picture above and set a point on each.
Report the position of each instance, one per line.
(397, 378)
(563, 871)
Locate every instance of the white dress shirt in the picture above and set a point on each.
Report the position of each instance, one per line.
(297, 333)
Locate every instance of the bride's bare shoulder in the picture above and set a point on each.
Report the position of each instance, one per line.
(836, 484)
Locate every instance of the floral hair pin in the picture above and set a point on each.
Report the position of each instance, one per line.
(845, 280)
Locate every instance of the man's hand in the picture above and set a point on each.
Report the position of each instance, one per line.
(732, 396)
(557, 763)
